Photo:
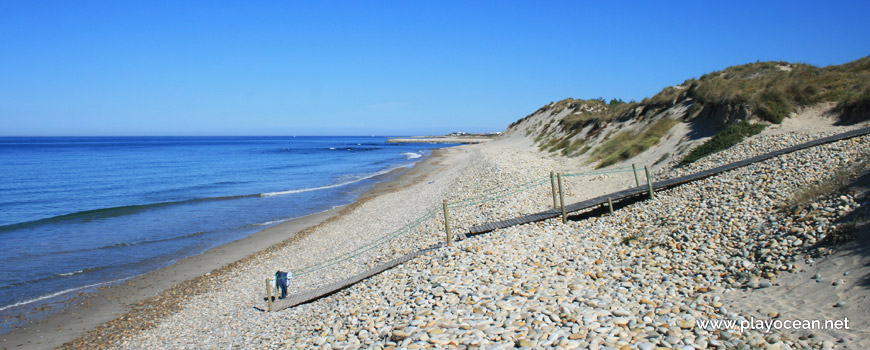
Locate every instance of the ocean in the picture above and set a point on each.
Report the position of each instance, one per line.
(81, 212)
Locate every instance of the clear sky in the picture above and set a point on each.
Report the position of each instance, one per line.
(377, 67)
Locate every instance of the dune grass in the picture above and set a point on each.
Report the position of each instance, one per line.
(855, 108)
(593, 111)
(774, 90)
(770, 91)
(628, 144)
(572, 147)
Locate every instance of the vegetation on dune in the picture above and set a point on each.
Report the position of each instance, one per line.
(573, 147)
(768, 91)
(774, 90)
(596, 111)
(627, 144)
(726, 138)
(666, 97)
(856, 108)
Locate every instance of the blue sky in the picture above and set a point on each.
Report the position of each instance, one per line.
(376, 67)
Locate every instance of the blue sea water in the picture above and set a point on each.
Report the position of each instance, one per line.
(80, 212)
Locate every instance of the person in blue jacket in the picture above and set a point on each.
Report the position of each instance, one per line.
(282, 280)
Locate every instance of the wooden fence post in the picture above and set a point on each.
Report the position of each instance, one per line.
(553, 186)
(269, 294)
(648, 181)
(610, 205)
(447, 225)
(634, 170)
(562, 199)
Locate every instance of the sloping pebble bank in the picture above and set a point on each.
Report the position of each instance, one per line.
(638, 279)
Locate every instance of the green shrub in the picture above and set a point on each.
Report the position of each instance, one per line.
(855, 109)
(773, 106)
(726, 138)
(803, 93)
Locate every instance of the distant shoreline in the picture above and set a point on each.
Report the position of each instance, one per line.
(442, 139)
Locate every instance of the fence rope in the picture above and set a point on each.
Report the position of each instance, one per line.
(413, 224)
(536, 182)
(499, 193)
(409, 227)
(601, 172)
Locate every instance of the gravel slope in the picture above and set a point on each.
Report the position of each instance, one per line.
(584, 284)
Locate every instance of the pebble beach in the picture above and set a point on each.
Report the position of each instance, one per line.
(637, 279)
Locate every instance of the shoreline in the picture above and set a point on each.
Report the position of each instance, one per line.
(441, 139)
(142, 301)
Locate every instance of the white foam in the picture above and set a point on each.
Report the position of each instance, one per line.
(302, 190)
(267, 223)
(71, 273)
(49, 296)
(411, 155)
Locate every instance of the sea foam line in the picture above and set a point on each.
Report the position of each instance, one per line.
(49, 296)
(301, 190)
(71, 273)
(411, 155)
(267, 223)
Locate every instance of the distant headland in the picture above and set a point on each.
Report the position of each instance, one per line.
(454, 137)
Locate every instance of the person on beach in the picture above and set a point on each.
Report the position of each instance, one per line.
(282, 280)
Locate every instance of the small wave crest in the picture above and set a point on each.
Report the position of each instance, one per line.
(55, 276)
(104, 213)
(115, 246)
(354, 148)
(57, 294)
(411, 155)
(67, 274)
(267, 223)
(302, 190)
